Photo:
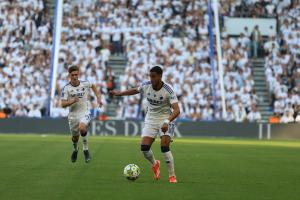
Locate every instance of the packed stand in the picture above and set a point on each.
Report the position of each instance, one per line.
(84, 43)
(25, 45)
(283, 65)
(158, 34)
(172, 34)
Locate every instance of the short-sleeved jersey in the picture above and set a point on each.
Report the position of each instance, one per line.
(159, 102)
(82, 107)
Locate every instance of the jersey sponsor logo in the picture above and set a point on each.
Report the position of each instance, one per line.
(154, 102)
(80, 95)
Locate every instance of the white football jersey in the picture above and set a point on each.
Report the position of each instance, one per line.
(158, 103)
(82, 107)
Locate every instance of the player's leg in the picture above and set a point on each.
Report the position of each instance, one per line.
(75, 139)
(75, 148)
(83, 134)
(148, 137)
(146, 149)
(165, 149)
(73, 124)
(83, 127)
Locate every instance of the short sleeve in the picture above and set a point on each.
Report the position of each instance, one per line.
(140, 89)
(89, 84)
(142, 86)
(173, 98)
(64, 94)
(170, 90)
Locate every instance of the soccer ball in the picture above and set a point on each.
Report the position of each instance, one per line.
(131, 172)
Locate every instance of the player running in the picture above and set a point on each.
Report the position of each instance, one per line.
(162, 110)
(75, 95)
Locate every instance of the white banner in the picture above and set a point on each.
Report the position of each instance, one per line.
(235, 26)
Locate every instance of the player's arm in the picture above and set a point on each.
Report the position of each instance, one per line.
(131, 91)
(175, 113)
(69, 102)
(172, 117)
(97, 94)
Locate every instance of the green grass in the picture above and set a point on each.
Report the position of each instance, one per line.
(35, 167)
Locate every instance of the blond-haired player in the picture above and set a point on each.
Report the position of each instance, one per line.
(75, 95)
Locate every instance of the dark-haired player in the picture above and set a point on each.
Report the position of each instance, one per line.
(162, 110)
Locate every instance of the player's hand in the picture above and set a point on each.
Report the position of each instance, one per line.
(76, 99)
(164, 127)
(113, 93)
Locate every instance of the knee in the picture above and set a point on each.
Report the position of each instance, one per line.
(145, 147)
(82, 130)
(83, 134)
(75, 138)
(164, 149)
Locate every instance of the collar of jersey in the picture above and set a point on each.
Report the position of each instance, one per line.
(76, 85)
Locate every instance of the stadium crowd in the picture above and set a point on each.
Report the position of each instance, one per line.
(25, 46)
(175, 36)
(282, 64)
(172, 34)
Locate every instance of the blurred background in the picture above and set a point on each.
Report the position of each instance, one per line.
(253, 54)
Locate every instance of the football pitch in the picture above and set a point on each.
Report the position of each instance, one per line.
(38, 167)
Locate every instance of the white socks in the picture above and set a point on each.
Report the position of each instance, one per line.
(149, 156)
(170, 163)
(75, 146)
(85, 142)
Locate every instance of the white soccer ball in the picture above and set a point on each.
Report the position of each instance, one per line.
(131, 172)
